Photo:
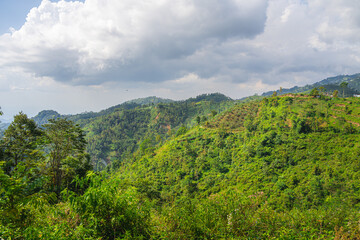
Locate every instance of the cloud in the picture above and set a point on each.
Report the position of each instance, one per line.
(90, 52)
(110, 40)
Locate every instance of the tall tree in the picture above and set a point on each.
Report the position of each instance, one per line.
(20, 141)
(66, 152)
(314, 92)
(344, 85)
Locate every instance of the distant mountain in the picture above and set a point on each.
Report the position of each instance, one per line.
(149, 100)
(3, 127)
(213, 97)
(117, 135)
(330, 84)
(116, 132)
(44, 116)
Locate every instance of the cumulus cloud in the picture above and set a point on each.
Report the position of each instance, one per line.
(175, 49)
(111, 40)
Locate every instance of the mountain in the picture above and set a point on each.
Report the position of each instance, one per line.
(149, 100)
(115, 136)
(43, 117)
(276, 168)
(330, 84)
(263, 169)
(3, 127)
(115, 133)
(283, 167)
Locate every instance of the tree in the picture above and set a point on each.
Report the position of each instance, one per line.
(314, 92)
(281, 90)
(322, 90)
(213, 113)
(198, 119)
(66, 152)
(343, 85)
(335, 93)
(20, 141)
(274, 94)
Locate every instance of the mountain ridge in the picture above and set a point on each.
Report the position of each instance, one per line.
(330, 84)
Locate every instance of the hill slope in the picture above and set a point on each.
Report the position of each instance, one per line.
(280, 168)
(330, 84)
(115, 133)
(295, 161)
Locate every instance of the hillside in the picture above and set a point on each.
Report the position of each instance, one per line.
(115, 136)
(330, 85)
(278, 168)
(149, 100)
(43, 116)
(281, 165)
(115, 133)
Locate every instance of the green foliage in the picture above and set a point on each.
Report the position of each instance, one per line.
(280, 168)
(116, 136)
(66, 150)
(107, 211)
(20, 142)
(35, 166)
(314, 92)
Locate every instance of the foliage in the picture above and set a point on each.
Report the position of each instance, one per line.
(35, 165)
(284, 167)
(66, 151)
(314, 92)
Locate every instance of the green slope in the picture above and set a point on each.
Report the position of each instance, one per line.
(295, 159)
(276, 168)
(115, 133)
(330, 85)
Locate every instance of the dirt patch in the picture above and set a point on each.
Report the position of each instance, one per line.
(340, 105)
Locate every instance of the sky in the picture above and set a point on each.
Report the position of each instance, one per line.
(78, 56)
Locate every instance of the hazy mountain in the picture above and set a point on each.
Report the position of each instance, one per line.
(330, 84)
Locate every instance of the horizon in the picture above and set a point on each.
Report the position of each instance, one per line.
(77, 56)
(9, 120)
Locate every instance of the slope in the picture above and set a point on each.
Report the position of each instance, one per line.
(330, 84)
(115, 133)
(281, 165)
(116, 136)
(280, 168)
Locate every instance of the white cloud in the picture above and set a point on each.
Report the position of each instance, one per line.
(94, 41)
(174, 49)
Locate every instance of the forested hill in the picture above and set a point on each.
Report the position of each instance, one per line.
(280, 168)
(329, 84)
(284, 167)
(43, 116)
(115, 133)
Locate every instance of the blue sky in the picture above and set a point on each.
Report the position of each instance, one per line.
(77, 56)
(13, 13)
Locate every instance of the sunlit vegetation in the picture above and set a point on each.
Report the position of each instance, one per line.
(282, 167)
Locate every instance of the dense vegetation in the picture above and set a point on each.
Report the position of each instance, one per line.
(116, 133)
(282, 167)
